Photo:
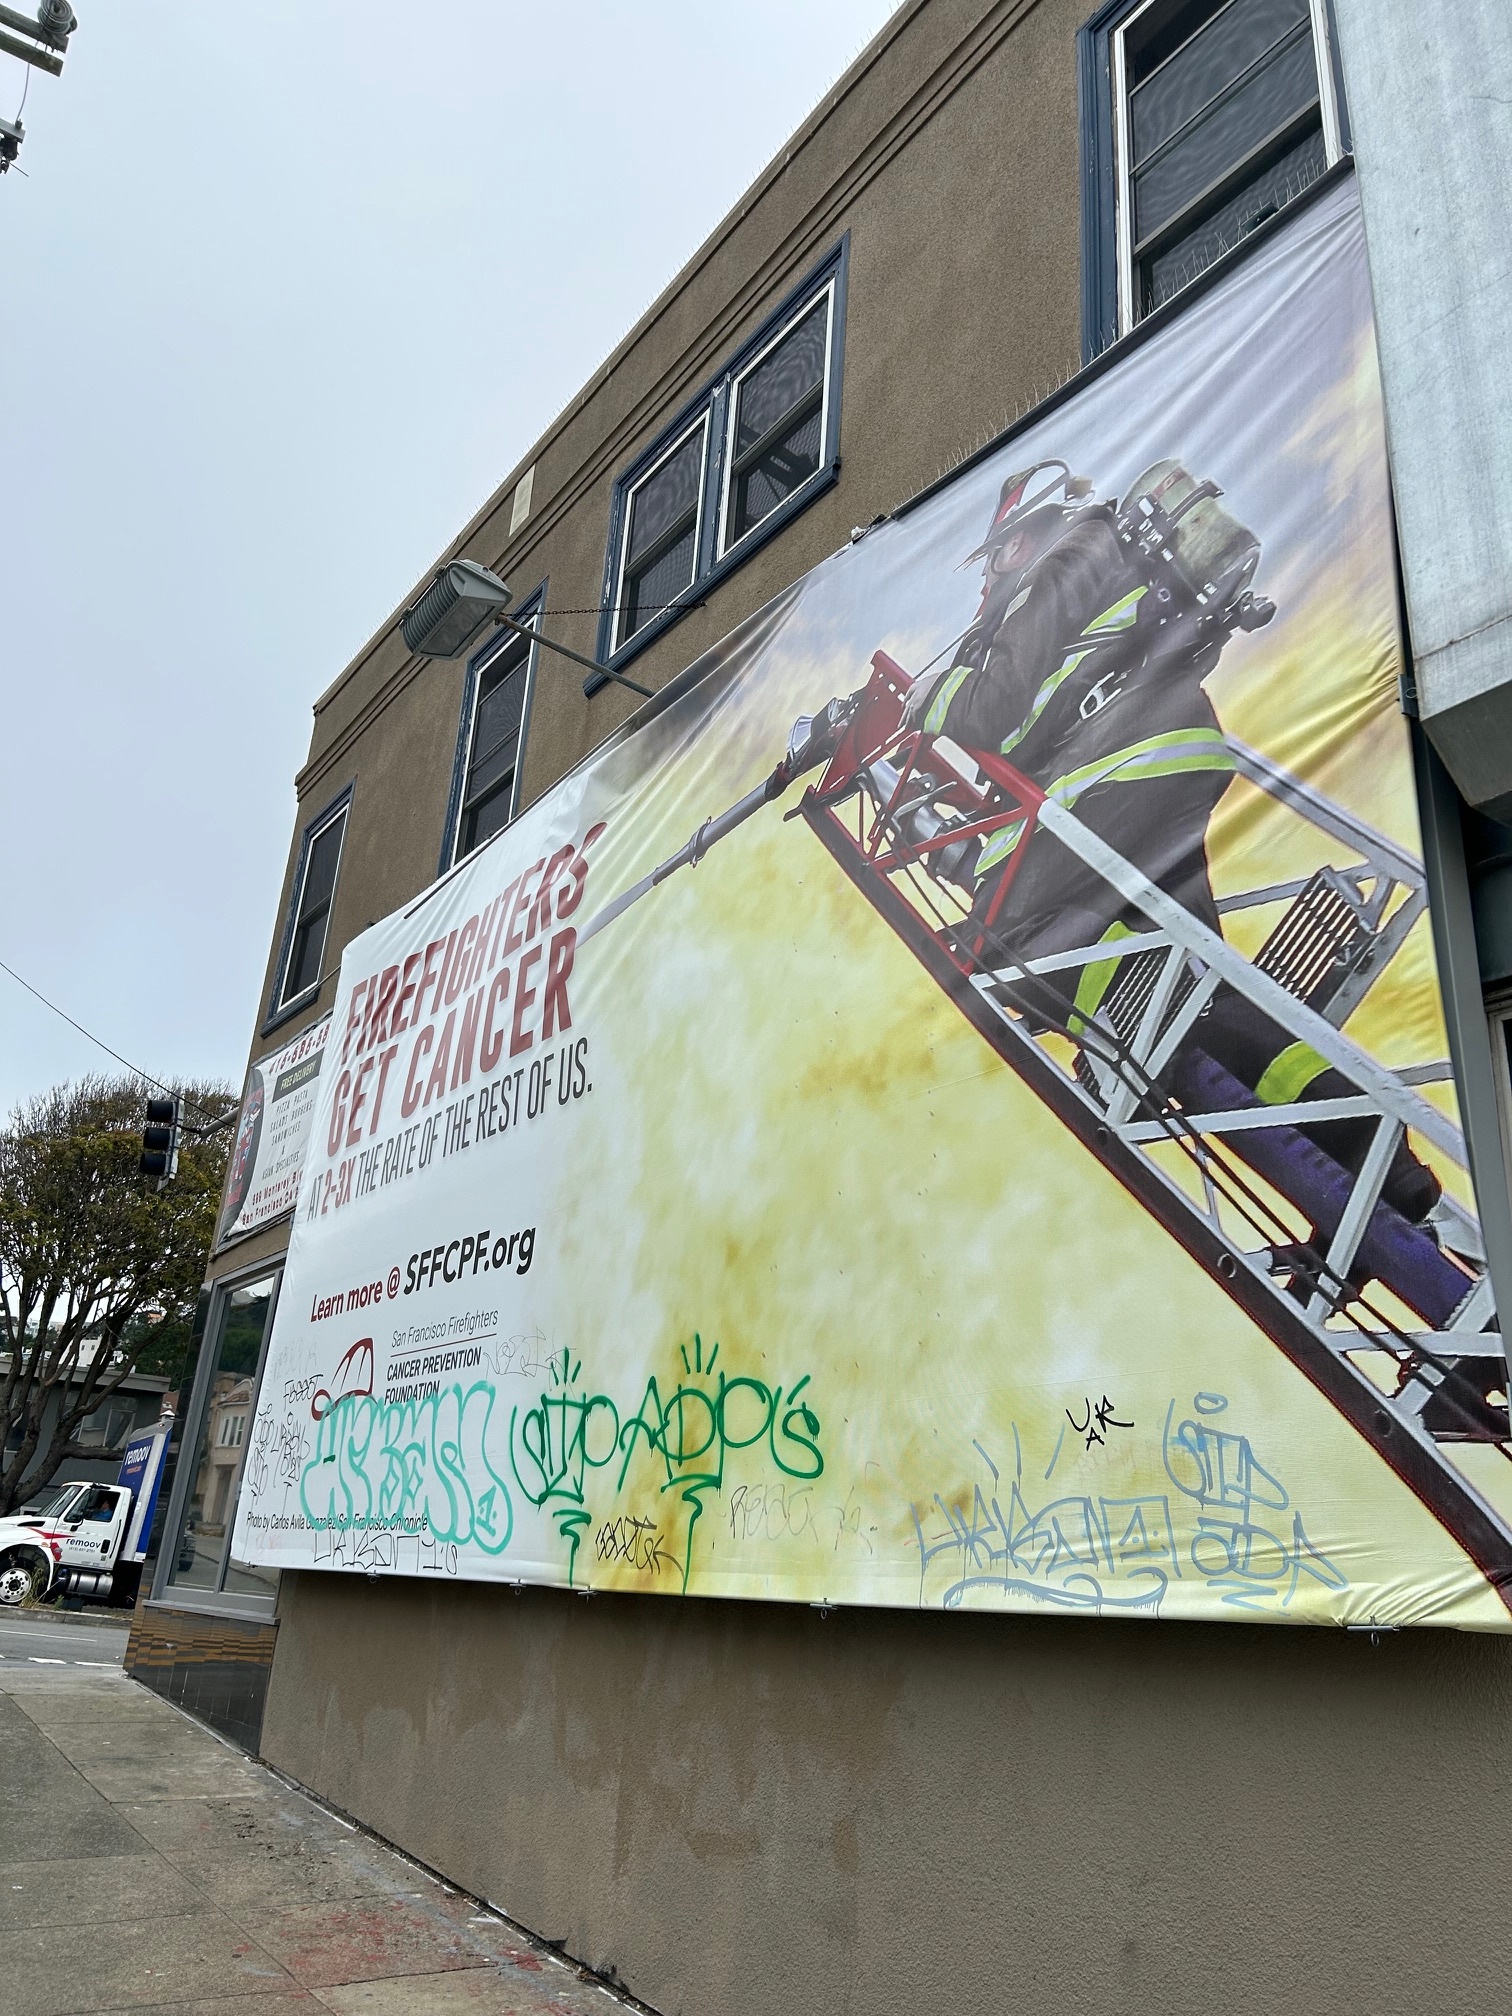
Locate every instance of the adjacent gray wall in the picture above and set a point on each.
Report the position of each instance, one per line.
(1430, 99)
(750, 1810)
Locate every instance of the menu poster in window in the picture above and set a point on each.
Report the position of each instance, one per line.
(272, 1134)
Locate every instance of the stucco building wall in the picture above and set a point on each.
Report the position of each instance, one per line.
(745, 1809)
(752, 1808)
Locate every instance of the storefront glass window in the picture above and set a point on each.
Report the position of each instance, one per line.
(200, 1558)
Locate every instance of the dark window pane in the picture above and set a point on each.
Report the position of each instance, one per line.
(649, 591)
(786, 379)
(485, 818)
(304, 957)
(662, 545)
(320, 871)
(1236, 37)
(1169, 271)
(490, 767)
(499, 713)
(495, 746)
(774, 473)
(1278, 91)
(664, 500)
(307, 947)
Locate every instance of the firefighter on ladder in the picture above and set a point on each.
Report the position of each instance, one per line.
(1099, 625)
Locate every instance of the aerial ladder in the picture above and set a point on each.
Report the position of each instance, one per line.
(1393, 1321)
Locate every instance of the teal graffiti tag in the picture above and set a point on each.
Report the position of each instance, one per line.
(1239, 1505)
(417, 1466)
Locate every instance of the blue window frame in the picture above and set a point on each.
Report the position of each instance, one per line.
(1199, 120)
(307, 927)
(756, 446)
(496, 697)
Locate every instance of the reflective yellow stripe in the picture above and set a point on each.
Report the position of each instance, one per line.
(1097, 978)
(1044, 696)
(999, 846)
(1174, 754)
(939, 706)
(1120, 617)
(1288, 1075)
(1170, 755)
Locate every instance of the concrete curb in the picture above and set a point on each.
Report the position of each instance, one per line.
(108, 1620)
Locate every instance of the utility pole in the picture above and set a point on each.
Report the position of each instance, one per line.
(42, 43)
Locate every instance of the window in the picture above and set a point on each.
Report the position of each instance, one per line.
(757, 445)
(777, 422)
(199, 1558)
(314, 888)
(661, 517)
(99, 1505)
(53, 1501)
(1208, 117)
(491, 743)
(109, 1426)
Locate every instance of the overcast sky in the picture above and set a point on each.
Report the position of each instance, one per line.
(287, 289)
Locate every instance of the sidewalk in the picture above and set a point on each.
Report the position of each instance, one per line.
(147, 1866)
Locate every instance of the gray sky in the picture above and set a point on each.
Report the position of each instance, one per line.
(258, 250)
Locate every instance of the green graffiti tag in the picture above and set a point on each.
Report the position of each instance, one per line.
(417, 1466)
(554, 1445)
(686, 1434)
(423, 1465)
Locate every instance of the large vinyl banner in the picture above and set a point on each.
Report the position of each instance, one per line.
(954, 1109)
(272, 1134)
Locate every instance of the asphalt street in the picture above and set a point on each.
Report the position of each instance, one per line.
(29, 1641)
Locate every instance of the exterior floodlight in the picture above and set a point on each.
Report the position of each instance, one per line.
(460, 601)
(455, 607)
(56, 21)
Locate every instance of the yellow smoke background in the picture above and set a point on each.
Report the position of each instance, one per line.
(797, 1148)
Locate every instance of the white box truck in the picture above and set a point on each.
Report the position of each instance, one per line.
(86, 1540)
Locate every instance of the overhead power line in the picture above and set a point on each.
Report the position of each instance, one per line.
(90, 1036)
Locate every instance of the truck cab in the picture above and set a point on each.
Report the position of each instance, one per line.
(84, 1540)
(67, 1538)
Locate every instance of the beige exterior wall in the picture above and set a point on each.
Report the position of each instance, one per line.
(749, 1808)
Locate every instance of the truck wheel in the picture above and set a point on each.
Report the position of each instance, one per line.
(23, 1577)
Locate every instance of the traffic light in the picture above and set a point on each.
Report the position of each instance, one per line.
(160, 1140)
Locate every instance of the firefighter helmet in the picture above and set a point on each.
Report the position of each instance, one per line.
(1026, 523)
(1038, 513)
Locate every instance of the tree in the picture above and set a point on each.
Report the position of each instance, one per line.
(99, 1270)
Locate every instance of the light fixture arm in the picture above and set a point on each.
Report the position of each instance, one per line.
(592, 664)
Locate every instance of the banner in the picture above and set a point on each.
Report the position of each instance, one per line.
(953, 1109)
(141, 1472)
(272, 1134)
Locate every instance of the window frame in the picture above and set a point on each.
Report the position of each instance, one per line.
(529, 610)
(1499, 1031)
(725, 545)
(165, 1593)
(1103, 107)
(702, 422)
(714, 407)
(281, 1007)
